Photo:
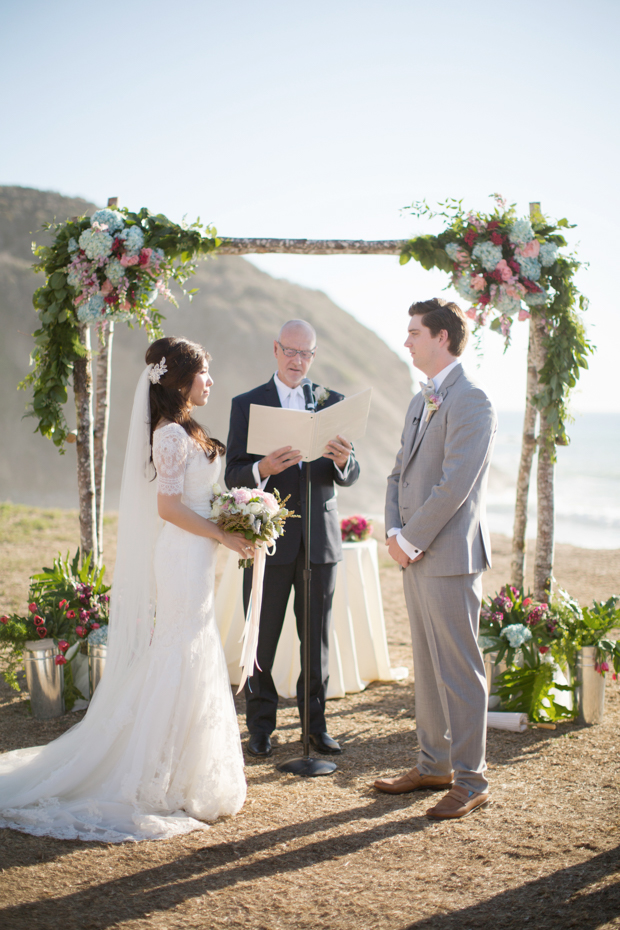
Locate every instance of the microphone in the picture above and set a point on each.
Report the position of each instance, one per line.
(306, 386)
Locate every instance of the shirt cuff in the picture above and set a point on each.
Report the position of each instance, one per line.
(344, 472)
(406, 546)
(260, 482)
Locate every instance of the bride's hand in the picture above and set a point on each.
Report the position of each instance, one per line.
(239, 544)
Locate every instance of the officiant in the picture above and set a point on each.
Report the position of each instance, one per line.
(294, 351)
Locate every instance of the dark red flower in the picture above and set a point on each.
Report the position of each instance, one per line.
(543, 649)
(60, 660)
(496, 238)
(112, 298)
(42, 632)
(95, 626)
(32, 608)
(80, 630)
(63, 645)
(514, 266)
(38, 620)
(62, 604)
(70, 615)
(4, 619)
(470, 236)
(484, 299)
(493, 224)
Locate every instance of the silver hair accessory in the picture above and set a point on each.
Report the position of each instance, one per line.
(158, 371)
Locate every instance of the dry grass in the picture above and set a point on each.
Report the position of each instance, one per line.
(331, 852)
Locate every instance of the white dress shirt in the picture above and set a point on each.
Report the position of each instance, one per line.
(291, 399)
(435, 383)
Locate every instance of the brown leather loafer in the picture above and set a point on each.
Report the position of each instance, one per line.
(458, 803)
(413, 781)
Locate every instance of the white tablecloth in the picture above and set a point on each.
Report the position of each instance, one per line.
(358, 650)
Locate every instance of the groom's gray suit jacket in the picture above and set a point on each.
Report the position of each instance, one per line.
(436, 492)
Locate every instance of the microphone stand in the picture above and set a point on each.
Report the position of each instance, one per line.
(307, 766)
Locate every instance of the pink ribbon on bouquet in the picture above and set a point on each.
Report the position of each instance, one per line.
(252, 620)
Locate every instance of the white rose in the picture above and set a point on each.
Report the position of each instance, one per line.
(255, 508)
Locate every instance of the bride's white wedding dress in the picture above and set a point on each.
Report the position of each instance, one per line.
(159, 751)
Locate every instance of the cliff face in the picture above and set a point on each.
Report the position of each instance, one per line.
(236, 314)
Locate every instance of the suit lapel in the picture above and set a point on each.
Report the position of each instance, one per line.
(272, 398)
(422, 425)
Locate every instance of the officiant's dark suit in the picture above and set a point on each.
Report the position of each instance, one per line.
(284, 569)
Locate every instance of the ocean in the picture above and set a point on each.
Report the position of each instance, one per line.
(587, 481)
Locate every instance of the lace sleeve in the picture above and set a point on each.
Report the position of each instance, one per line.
(170, 449)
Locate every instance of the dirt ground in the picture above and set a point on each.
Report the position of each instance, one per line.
(331, 852)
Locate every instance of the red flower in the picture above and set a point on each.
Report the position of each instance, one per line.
(63, 645)
(527, 600)
(42, 632)
(62, 604)
(60, 660)
(530, 286)
(493, 224)
(496, 238)
(471, 236)
(84, 615)
(70, 615)
(4, 619)
(38, 620)
(543, 649)
(484, 299)
(32, 607)
(111, 298)
(95, 626)
(80, 630)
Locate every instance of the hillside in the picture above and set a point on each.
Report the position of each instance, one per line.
(236, 315)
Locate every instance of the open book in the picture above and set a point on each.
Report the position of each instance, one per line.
(272, 428)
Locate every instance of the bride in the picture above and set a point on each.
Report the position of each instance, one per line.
(158, 752)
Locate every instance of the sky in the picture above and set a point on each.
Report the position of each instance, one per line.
(325, 120)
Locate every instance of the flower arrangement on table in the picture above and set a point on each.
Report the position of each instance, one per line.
(355, 529)
(66, 604)
(260, 516)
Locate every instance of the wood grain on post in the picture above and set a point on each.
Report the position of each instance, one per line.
(312, 246)
(543, 559)
(528, 448)
(83, 390)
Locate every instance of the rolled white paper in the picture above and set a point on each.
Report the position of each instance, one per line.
(505, 721)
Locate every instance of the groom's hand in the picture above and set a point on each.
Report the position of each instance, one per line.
(398, 554)
(278, 460)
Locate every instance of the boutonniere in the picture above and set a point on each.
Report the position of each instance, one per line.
(321, 394)
(432, 400)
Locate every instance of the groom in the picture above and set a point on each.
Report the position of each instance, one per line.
(294, 351)
(435, 522)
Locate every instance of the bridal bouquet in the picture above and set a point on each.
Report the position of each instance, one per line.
(259, 515)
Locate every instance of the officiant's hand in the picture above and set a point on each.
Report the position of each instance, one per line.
(338, 450)
(279, 460)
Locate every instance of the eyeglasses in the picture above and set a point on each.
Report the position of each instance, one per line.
(306, 354)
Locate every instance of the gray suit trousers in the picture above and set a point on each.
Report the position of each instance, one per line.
(450, 680)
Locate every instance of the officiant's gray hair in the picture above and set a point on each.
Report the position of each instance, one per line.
(294, 324)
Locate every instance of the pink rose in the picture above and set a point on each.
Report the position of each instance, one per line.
(524, 315)
(462, 257)
(128, 260)
(504, 270)
(530, 250)
(270, 502)
(478, 282)
(107, 287)
(242, 495)
(471, 313)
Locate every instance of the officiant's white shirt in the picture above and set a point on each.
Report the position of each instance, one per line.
(435, 383)
(291, 399)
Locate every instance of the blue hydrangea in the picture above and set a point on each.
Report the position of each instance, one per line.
(99, 637)
(73, 279)
(536, 300)
(451, 250)
(506, 304)
(115, 271)
(516, 634)
(464, 288)
(521, 232)
(96, 244)
(530, 267)
(91, 310)
(133, 238)
(112, 219)
(158, 254)
(487, 254)
(72, 245)
(548, 254)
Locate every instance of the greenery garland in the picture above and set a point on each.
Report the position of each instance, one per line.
(110, 266)
(508, 268)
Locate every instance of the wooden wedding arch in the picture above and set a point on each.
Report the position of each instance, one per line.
(541, 428)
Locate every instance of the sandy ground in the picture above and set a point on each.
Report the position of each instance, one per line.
(331, 852)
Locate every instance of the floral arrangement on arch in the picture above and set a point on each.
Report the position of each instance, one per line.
(110, 266)
(355, 529)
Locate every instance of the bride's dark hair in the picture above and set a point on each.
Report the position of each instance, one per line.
(169, 396)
